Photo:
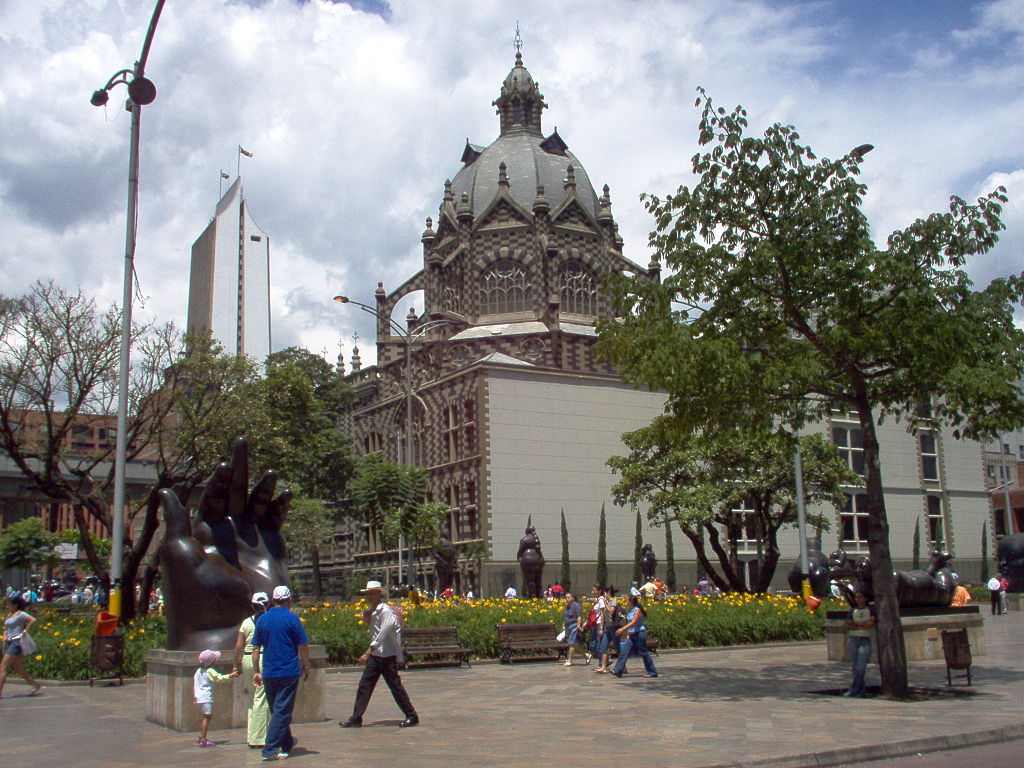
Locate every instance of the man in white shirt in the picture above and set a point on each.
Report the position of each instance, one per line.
(381, 658)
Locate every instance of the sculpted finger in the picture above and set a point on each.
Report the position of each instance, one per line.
(277, 513)
(176, 522)
(213, 504)
(239, 483)
(261, 496)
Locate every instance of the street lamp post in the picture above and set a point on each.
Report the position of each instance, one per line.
(409, 338)
(141, 91)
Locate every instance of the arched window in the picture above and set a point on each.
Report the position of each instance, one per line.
(505, 288)
(576, 289)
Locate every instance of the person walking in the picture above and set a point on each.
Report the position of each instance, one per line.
(860, 626)
(610, 618)
(634, 634)
(995, 593)
(571, 616)
(1004, 587)
(280, 655)
(597, 626)
(16, 624)
(381, 659)
(257, 713)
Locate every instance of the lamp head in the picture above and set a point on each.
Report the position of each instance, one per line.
(99, 98)
(341, 299)
(858, 152)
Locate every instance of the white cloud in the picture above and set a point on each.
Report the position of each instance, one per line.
(355, 121)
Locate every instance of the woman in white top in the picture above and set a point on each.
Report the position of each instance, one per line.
(16, 623)
(257, 711)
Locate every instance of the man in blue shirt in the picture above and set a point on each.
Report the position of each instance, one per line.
(280, 655)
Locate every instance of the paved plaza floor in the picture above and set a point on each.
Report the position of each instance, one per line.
(726, 707)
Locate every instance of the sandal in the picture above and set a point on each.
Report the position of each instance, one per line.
(600, 670)
(567, 664)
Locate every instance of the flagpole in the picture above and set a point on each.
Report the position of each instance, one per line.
(238, 162)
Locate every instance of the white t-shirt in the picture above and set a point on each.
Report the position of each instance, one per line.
(993, 584)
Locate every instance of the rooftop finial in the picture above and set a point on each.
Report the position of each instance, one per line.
(517, 41)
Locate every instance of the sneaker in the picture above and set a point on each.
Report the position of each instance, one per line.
(567, 664)
(205, 743)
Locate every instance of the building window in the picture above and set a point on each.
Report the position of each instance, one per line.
(373, 443)
(853, 522)
(505, 288)
(936, 527)
(850, 445)
(459, 433)
(929, 456)
(1020, 450)
(576, 289)
(450, 434)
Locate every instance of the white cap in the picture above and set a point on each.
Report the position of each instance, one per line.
(282, 593)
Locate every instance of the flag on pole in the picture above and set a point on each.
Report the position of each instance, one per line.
(247, 154)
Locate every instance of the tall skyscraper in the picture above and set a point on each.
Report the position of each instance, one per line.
(229, 284)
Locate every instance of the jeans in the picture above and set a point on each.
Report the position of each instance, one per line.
(635, 643)
(377, 666)
(859, 649)
(281, 701)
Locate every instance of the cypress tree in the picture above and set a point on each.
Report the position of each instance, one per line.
(917, 545)
(984, 552)
(565, 581)
(638, 545)
(670, 558)
(602, 557)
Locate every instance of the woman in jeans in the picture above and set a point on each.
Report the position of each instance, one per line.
(16, 623)
(571, 624)
(634, 635)
(860, 626)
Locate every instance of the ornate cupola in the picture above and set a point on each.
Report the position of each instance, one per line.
(520, 102)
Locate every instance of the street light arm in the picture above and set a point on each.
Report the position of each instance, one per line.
(140, 65)
(376, 313)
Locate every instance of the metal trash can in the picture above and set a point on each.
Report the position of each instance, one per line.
(956, 647)
(107, 656)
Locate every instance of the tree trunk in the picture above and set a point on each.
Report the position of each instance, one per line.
(892, 655)
(702, 559)
(729, 572)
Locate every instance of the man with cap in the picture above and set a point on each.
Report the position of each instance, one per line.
(280, 655)
(381, 658)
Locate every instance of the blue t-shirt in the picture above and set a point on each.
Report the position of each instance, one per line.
(279, 633)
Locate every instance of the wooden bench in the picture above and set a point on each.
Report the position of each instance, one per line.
(513, 638)
(435, 642)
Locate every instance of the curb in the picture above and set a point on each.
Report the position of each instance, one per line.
(890, 750)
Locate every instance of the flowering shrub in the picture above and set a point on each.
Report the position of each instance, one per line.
(678, 621)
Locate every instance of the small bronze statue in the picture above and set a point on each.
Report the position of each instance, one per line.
(531, 561)
(648, 562)
(445, 562)
(212, 565)
(1010, 555)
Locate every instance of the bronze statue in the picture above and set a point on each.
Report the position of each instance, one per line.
(817, 564)
(213, 564)
(648, 562)
(531, 561)
(932, 587)
(1010, 555)
(445, 562)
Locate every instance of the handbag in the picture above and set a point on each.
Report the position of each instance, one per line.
(28, 645)
(560, 637)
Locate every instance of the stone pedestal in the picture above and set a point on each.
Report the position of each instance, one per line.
(1014, 601)
(922, 632)
(170, 700)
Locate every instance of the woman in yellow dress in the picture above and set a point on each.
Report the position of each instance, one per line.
(257, 711)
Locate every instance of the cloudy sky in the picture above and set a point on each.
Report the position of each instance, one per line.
(356, 112)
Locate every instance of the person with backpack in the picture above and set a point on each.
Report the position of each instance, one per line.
(381, 659)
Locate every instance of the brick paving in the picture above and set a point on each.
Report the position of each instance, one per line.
(725, 707)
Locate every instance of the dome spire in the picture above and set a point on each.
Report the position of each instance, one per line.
(520, 101)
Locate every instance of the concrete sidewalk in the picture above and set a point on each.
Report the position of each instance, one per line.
(726, 707)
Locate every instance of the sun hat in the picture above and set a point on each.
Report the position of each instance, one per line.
(282, 593)
(260, 598)
(208, 658)
(371, 586)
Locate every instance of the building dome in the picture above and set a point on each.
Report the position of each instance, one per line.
(531, 160)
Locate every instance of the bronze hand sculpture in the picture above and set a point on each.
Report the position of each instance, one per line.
(214, 564)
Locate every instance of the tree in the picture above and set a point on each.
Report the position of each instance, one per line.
(310, 523)
(25, 543)
(602, 551)
(638, 548)
(101, 546)
(916, 563)
(778, 303)
(565, 580)
(732, 483)
(670, 559)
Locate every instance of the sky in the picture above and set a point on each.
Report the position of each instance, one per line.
(356, 113)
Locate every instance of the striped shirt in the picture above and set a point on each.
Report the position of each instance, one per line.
(385, 632)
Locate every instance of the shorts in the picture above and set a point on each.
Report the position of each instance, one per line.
(571, 633)
(205, 707)
(12, 647)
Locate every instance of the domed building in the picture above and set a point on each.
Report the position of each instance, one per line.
(512, 414)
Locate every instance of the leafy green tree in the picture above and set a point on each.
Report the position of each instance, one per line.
(26, 543)
(309, 524)
(564, 577)
(100, 546)
(778, 303)
(916, 563)
(602, 551)
(700, 480)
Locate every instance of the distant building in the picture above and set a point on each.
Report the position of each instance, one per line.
(229, 283)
